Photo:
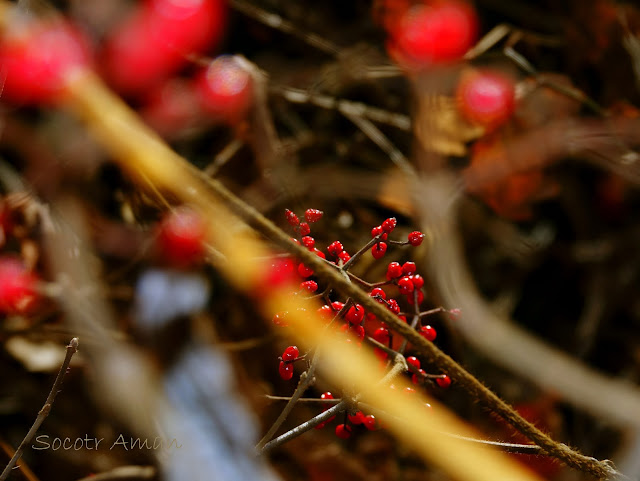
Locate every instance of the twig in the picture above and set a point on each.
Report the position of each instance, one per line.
(72, 348)
(124, 473)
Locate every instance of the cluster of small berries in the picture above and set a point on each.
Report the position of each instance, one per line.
(357, 418)
(349, 316)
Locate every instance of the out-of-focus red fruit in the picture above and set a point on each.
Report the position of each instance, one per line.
(18, 287)
(432, 35)
(156, 40)
(181, 236)
(172, 108)
(36, 57)
(226, 88)
(486, 98)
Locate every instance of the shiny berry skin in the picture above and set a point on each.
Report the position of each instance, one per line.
(181, 237)
(292, 219)
(335, 248)
(226, 89)
(369, 422)
(356, 418)
(285, 370)
(418, 281)
(304, 228)
(355, 314)
(408, 268)
(419, 377)
(415, 238)
(311, 286)
(413, 361)
(313, 215)
(486, 98)
(378, 293)
(357, 330)
(156, 40)
(290, 354)
(405, 285)
(382, 335)
(431, 35)
(378, 250)
(389, 224)
(326, 313)
(420, 296)
(304, 271)
(337, 305)
(343, 431)
(308, 241)
(344, 257)
(376, 231)
(327, 395)
(444, 382)
(393, 306)
(428, 332)
(394, 270)
(37, 58)
(18, 287)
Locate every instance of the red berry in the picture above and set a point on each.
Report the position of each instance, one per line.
(405, 285)
(376, 231)
(319, 253)
(454, 313)
(313, 215)
(326, 312)
(343, 431)
(378, 250)
(389, 224)
(408, 268)
(308, 241)
(285, 370)
(327, 395)
(18, 287)
(444, 382)
(280, 319)
(157, 38)
(442, 33)
(356, 418)
(420, 296)
(486, 98)
(280, 272)
(344, 257)
(380, 354)
(355, 314)
(418, 281)
(304, 271)
(357, 330)
(290, 354)
(428, 332)
(393, 306)
(304, 228)
(413, 361)
(370, 422)
(181, 236)
(394, 270)
(419, 377)
(415, 238)
(378, 292)
(382, 335)
(311, 286)
(226, 88)
(36, 59)
(337, 305)
(292, 219)
(335, 248)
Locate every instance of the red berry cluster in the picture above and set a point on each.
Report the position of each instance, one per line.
(350, 317)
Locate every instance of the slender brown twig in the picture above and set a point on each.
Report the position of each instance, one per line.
(72, 348)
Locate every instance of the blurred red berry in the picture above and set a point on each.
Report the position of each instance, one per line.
(285, 370)
(18, 287)
(37, 57)
(308, 241)
(304, 271)
(304, 228)
(382, 335)
(181, 237)
(356, 418)
(156, 40)
(370, 422)
(444, 382)
(226, 89)
(394, 270)
(435, 34)
(311, 286)
(290, 354)
(486, 98)
(292, 219)
(343, 431)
